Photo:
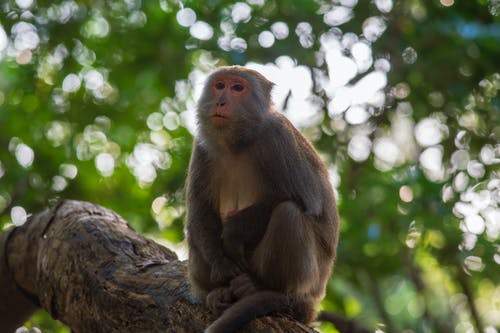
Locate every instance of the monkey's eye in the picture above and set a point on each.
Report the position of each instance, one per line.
(238, 87)
(219, 86)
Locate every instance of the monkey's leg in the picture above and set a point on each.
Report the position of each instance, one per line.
(285, 268)
(286, 259)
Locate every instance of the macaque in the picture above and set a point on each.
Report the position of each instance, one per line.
(262, 223)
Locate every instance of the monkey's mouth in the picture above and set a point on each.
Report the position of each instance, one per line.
(219, 119)
(219, 116)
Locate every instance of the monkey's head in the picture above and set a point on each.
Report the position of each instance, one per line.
(234, 103)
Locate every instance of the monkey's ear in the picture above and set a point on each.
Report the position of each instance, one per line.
(268, 87)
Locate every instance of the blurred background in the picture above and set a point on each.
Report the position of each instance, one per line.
(97, 102)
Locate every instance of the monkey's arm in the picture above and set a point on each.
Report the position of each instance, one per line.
(204, 227)
(291, 166)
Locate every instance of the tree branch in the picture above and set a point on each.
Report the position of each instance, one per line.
(84, 265)
(342, 324)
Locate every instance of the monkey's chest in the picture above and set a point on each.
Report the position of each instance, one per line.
(239, 187)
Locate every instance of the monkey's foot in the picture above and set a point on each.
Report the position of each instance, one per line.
(219, 299)
(242, 286)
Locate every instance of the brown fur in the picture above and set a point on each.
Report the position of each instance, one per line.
(262, 222)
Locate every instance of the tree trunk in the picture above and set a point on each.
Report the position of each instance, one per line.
(84, 265)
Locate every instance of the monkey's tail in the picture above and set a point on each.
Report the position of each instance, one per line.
(257, 305)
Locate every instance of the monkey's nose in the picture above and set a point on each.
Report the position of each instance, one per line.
(221, 101)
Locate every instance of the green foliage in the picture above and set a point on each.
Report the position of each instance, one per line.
(400, 98)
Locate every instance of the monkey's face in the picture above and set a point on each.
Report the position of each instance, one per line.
(229, 92)
(234, 103)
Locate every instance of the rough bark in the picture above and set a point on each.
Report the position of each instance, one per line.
(84, 265)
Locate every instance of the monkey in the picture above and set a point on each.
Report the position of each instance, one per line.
(261, 221)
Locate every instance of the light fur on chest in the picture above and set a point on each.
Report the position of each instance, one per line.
(238, 183)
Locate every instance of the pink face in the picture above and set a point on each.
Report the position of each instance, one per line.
(229, 91)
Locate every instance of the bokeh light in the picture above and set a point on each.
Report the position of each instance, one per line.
(241, 12)
(18, 215)
(186, 17)
(201, 30)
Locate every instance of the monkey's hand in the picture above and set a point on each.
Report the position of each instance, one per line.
(220, 299)
(242, 286)
(223, 270)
